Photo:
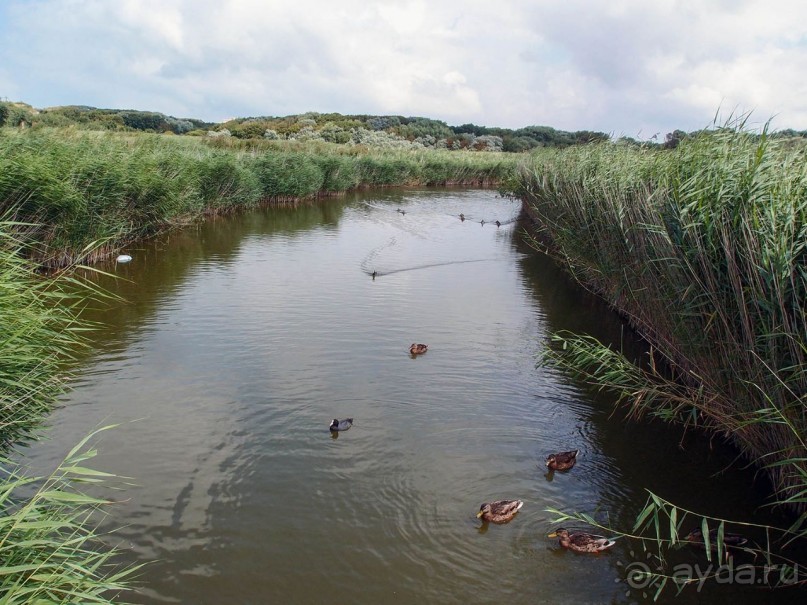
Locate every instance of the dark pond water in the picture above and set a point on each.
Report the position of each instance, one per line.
(239, 340)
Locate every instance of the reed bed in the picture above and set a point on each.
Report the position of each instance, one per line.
(703, 250)
(88, 187)
(37, 332)
(50, 551)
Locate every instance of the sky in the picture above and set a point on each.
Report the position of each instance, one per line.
(625, 67)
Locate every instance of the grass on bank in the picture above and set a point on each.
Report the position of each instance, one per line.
(704, 250)
(82, 187)
(37, 332)
(49, 549)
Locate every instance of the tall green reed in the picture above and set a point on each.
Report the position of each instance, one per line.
(38, 331)
(50, 551)
(50, 548)
(702, 249)
(83, 187)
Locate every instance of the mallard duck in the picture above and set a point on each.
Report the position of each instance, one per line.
(695, 537)
(417, 349)
(562, 461)
(580, 541)
(341, 425)
(500, 511)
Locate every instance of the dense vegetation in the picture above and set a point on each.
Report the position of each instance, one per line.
(699, 240)
(374, 131)
(81, 188)
(49, 551)
(704, 250)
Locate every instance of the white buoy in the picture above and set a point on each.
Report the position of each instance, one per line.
(123, 258)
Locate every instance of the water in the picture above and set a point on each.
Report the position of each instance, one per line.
(238, 341)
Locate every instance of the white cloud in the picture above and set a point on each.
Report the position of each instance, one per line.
(622, 66)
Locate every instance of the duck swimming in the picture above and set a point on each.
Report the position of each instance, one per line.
(562, 461)
(695, 537)
(500, 511)
(581, 541)
(418, 349)
(341, 425)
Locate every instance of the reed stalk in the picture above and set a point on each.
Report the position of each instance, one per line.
(50, 549)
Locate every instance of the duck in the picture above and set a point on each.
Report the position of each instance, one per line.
(341, 425)
(562, 461)
(695, 537)
(581, 541)
(500, 511)
(418, 349)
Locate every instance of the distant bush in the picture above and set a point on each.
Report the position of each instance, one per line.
(307, 133)
(179, 126)
(488, 142)
(334, 134)
(18, 114)
(250, 129)
(383, 122)
(143, 120)
(378, 138)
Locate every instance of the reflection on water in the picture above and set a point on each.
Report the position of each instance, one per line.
(242, 338)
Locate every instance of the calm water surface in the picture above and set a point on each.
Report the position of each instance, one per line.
(241, 339)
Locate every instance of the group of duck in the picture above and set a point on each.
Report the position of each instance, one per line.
(503, 511)
(482, 222)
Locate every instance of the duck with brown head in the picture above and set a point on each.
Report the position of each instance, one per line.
(499, 511)
(581, 541)
(562, 461)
